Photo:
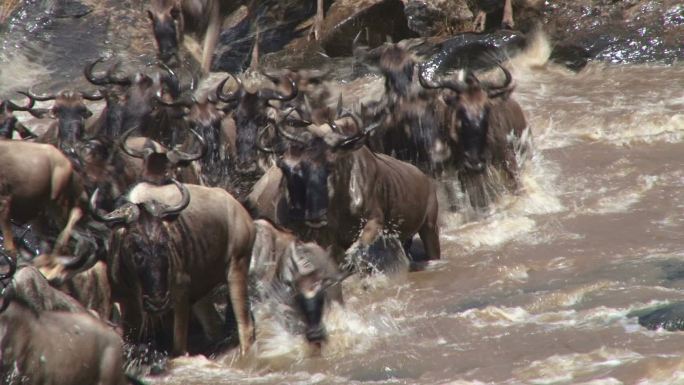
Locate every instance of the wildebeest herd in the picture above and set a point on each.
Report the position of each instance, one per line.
(276, 189)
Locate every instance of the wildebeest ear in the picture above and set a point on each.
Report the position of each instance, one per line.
(352, 143)
(38, 112)
(150, 15)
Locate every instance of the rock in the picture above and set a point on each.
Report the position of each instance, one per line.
(473, 50)
(70, 8)
(632, 31)
(670, 318)
(435, 17)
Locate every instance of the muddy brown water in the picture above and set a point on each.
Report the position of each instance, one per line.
(537, 291)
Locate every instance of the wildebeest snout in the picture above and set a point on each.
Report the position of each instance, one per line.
(312, 307)
(474, 161)
(156, 304)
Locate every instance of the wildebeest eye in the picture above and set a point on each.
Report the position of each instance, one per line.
(175, 13)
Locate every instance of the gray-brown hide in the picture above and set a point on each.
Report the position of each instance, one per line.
(487, 6)
(37, 179)
(172, 19)
(9, 123)
(169, 256)
(483, 128)
(336, 182)
(46, 337)
(302, 275)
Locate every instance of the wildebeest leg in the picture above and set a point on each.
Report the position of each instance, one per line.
(6, 224)
(74, 216)
(480, 21)
(511, 168)
(208, 317)
(181, 320)
(211, 37)
(429, 233)
(237, 287)
(507, 21)
(315, 32)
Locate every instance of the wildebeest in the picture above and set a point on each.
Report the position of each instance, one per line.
(250, 121)
(176, 243)
(409, 115)
(35, 178)
(172, 19)
(133, 101)
(71, 113)
(9, 123)
(302, 274)
(46, 337)
(336, 181)
(484, 127)
(486, 6)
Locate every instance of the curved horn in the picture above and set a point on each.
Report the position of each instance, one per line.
(15, 107)
(130, 151)
(96, 95)
(455, 86)
(275, 95)
(183, 158)
(497, 90)
(226, 98)
(11, 263)
(171, 80)
(267, 150)
(275, 79)
(184, 202)
(354, 117)
(96, 80)
(40, 98)
(127, 213)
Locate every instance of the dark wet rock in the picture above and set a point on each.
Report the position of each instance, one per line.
(473, 50)
(670, 317)
(632, 31)
(71, 8)
(435, 17)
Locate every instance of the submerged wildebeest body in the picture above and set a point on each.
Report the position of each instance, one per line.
(35, 177)
(46, 337)
(172, 19)
(176, 244)
(338, 183)
(301, 274)
(485, 127)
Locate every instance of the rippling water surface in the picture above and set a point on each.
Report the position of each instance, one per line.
(539, 291)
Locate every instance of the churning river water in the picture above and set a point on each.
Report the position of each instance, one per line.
(540, 290)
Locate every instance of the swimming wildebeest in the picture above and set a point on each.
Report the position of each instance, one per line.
(175, 244)
(36, 179)
(484, 126)
(302, 273)
(334, 180)
(46, 337)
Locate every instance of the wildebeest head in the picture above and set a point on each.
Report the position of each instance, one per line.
(8, 122)
(250, 117)
(168, 25)
(146, 244)
(311, 285)
(397, 64)
(309, 165)
(70, 111)
(134, 100)
(470, 104)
